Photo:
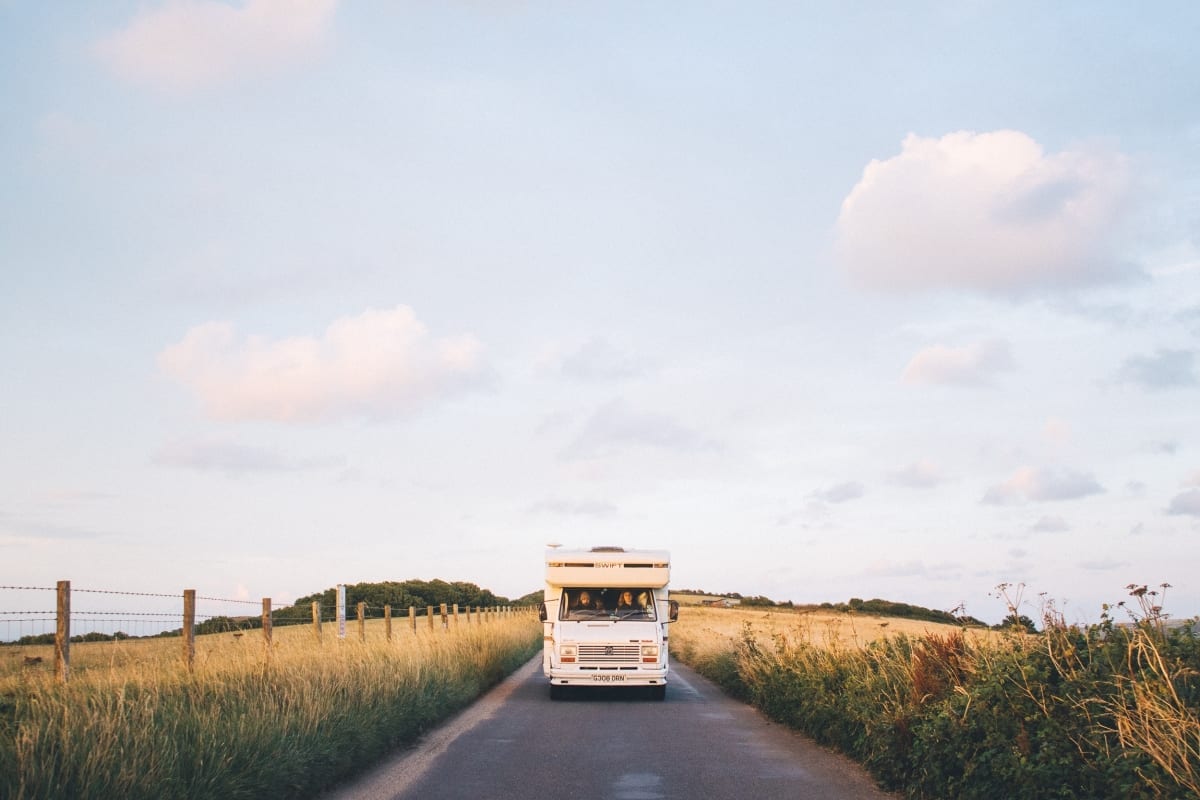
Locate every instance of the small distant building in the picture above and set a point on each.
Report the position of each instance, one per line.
(720, 602)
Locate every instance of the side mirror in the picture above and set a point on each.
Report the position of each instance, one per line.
(542, 612)
(673, 612)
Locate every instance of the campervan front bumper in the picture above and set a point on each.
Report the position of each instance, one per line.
(600, 664)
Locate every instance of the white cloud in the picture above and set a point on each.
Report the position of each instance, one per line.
(918, 475)
(1057, 430)
(380, 364)
(615, 426)
(1166, 369)
(1102, 564)
(983, 211)
(1050, 524)
(186, 44)
(840, 493)
(575, 508)
(972, 365)
(594, 360)
(30, 530)
(235, 458)
(1042, 485)
(913, 569)
(1186, 503)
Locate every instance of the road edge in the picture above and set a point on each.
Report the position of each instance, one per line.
(397, 772)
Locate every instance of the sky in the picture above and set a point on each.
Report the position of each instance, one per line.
(830, 300)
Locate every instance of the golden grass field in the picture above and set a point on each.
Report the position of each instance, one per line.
(710, 628)
(218, 650)
(132, 722)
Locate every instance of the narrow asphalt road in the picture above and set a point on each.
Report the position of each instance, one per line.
(612, 744)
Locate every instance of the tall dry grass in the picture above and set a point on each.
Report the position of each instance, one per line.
(243, 725)
(1108, 711)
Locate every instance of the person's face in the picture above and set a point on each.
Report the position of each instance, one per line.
(585, 598)
(626, 597)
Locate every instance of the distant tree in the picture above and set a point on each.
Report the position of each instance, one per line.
(888, 608)
(39, 638)
(222, 624)
(1017, 622)
(397, 594)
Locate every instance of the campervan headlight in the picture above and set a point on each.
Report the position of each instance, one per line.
(567, 653)
(649, 654)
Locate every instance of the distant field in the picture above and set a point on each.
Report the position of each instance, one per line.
(212, 650)
(711, 627)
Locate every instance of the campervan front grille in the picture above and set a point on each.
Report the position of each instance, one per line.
(609, 653)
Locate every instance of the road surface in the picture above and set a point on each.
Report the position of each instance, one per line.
(613, 744)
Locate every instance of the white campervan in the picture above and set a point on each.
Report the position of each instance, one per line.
(605, 613)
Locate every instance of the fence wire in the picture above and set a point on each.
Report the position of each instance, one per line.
(38, 625)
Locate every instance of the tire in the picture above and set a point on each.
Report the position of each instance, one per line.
(557, 692)
(658, 693)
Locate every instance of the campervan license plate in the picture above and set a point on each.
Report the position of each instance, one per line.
(607, 678)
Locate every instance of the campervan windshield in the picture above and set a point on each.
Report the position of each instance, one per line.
(598, 602)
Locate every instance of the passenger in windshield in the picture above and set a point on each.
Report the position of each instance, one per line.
(626, 602)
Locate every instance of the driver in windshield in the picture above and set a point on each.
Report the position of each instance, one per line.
(587, 602)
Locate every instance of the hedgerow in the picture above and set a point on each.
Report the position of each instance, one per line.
(1104, 711)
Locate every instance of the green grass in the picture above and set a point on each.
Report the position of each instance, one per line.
(242, 725)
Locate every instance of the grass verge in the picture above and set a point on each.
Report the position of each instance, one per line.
(243, 725)
(1106, 711)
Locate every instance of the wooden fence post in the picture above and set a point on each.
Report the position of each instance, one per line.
(341, 610)
(412, 617)
(266, 625)
(387, 621)
(62, 634)
(316, 615)
(442, 609)
(456, 616)
(429, 613)
(189, 629)
(362, 621)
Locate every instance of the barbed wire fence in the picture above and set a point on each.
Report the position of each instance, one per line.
(187, 614)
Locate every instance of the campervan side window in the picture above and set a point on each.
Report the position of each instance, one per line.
(598, 602)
